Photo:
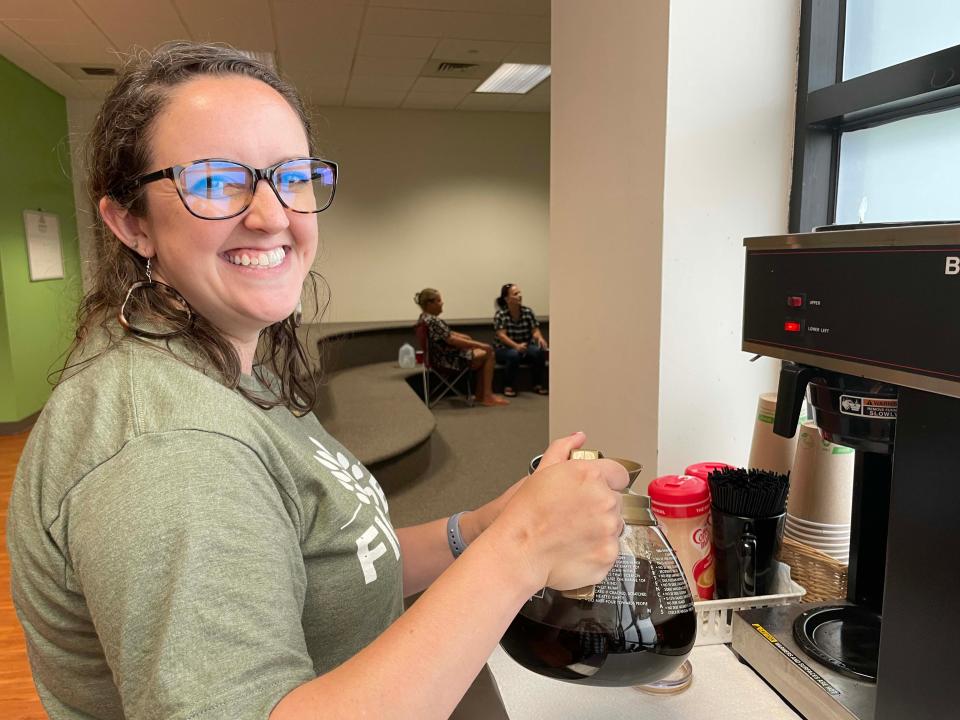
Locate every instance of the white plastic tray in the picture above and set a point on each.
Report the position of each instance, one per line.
(715, 617)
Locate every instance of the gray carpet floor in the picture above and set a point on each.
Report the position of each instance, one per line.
(476, 453)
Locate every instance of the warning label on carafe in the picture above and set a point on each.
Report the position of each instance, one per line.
(672, 590)
(657, 586)
(621, 584)
(876, 408)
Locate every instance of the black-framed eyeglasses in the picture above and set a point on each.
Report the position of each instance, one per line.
(217, 189)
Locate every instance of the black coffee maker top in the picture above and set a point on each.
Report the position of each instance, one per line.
(869, 303)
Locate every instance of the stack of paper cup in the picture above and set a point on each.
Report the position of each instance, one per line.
(767, 450)
(821, 494)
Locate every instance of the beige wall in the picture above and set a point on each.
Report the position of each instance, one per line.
(689, 149)
(608, 109)
(730, 115)
(452, 200)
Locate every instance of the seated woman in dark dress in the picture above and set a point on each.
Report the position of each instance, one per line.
(519, 340)
(451, 349)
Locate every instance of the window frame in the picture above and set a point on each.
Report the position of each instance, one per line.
(828, 106)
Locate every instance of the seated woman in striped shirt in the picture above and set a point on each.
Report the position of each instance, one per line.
(518, 339)
(451, 349)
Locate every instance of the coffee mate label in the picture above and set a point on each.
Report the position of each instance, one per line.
(702, 570)
(703, 576)
(688, 528)
(874, 408)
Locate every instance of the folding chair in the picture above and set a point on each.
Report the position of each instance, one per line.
(438, 382)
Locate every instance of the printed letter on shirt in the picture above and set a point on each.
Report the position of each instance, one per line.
(367, 556)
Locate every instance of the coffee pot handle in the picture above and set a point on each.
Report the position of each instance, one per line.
(586, 592)
(747, 555)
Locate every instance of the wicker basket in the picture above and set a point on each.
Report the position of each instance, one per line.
(822, 576)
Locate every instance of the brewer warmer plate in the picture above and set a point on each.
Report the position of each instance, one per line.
(843, 637)
(763, 638)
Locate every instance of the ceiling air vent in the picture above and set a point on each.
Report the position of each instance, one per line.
(455, 68)
(451, 69)
(93, 74)
(100, 71)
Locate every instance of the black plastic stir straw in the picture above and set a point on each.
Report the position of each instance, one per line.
(749, 493)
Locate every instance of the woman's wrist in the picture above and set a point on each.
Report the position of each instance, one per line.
(513, 550)
(455, 537)
(470, 526)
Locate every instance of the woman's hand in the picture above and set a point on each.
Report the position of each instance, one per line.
(564, 521)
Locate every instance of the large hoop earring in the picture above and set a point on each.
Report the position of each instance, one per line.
(138, 293)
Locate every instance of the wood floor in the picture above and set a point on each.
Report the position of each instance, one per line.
(18, 698)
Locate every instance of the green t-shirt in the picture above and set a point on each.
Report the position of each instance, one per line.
(179, 552)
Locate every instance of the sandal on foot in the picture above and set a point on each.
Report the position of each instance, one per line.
(509, 392)
(540, 390)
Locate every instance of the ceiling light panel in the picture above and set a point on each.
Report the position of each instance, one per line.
(514, 78)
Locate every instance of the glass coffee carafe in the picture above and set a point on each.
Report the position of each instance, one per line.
(635, 627)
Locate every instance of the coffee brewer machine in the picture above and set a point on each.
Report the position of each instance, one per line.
(868, 321)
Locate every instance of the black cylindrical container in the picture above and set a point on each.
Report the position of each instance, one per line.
(744, 550)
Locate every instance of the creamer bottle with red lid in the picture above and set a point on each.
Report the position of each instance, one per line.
(681, 504)
(702, 470)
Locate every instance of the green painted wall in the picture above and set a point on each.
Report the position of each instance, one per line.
(36, 318)
(7, 403)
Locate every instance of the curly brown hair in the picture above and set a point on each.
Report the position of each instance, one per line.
(118, 150)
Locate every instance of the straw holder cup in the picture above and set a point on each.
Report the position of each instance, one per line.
(744, 550)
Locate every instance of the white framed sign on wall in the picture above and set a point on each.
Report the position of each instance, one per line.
(44, 254)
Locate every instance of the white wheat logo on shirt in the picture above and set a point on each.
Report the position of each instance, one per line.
(350, 476)
(364, 487)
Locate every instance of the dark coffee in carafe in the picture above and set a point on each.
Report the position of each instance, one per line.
(622, 642)
(635, 627)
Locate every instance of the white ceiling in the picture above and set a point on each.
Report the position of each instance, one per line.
(356, 53)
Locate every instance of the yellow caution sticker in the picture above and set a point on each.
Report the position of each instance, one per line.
(790, 655)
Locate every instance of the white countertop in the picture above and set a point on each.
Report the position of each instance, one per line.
(723, 688)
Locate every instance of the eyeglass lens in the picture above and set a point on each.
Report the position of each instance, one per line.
(217, 188)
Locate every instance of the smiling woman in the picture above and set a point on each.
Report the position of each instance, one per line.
(188, 86)
(231, 213)
(186, 540)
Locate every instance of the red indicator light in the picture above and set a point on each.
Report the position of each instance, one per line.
(795, 301)
(791, 326)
